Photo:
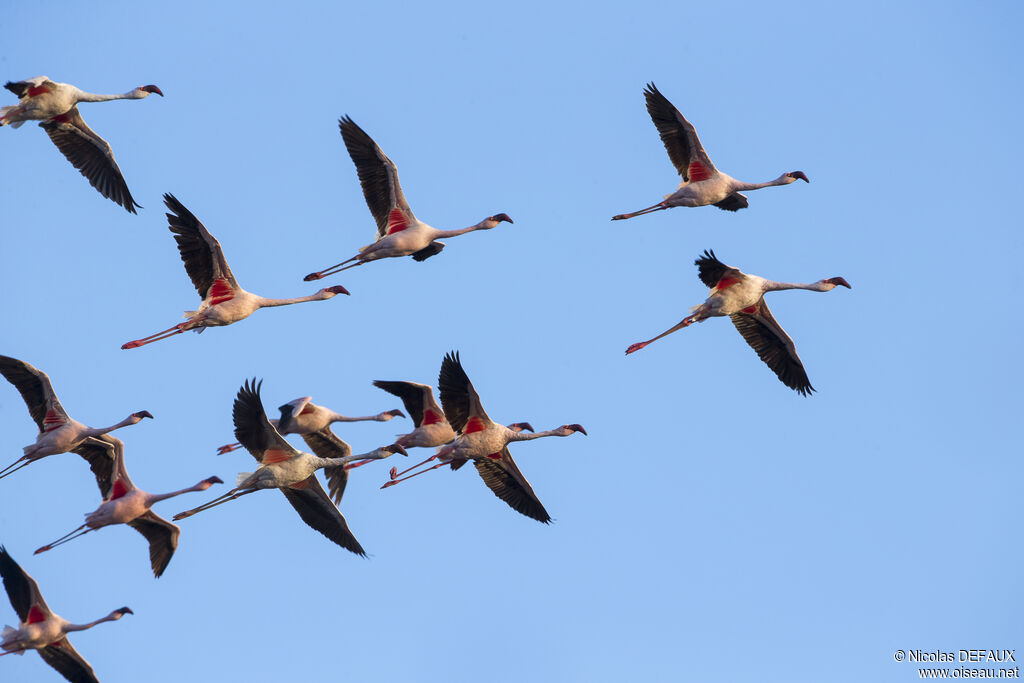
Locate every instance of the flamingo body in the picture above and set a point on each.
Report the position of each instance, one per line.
(56, 105)
(432, 427)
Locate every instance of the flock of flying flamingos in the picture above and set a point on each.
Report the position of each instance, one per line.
(459, 428)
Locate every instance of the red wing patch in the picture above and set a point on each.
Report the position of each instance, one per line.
(300, 485)
(430, 417)
(120, 489)
(397, 221)
(220, 291)
(495, 456)
(697, 172)
(726, 283)
(35, 615)
(474, 424)
(272, 455)
(37, 90)
(52, 421)
(750, 310)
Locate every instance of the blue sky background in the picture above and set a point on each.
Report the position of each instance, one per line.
(714, 526)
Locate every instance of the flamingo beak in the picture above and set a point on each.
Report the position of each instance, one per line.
(523, 426)
(800, 175)
(839, 281)
(501, 217)
(395, 448)
(337, 289)
(143, 413)
(125, 610)
(214, 480)
(396, 413)
(153, 89)
(577, 428)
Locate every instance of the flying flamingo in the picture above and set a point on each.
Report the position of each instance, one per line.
(301, 416)
(40, 629)
(224, 301)
(702, 184)
(432, 428)
(399, 232)
(58, 433)
(56, 105)
(123, 503)
(741, 297)
(484, 442)
(290, 470)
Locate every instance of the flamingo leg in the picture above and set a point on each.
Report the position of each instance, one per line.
(70, 536)
(687, 321)
(333, 269)
(169, 332)
(395, 473)
(650, 209)
(220, 500)
(227, 448)
(11, 469)
(398, 481)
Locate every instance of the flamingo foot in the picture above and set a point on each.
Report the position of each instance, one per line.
(43, 549)
(313, 276)
(393, 473)
(390, 483)
(636, 347)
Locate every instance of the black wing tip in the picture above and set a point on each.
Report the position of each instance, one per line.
(708, 255)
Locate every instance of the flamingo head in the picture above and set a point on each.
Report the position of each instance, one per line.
(328, 292)
(118, 613)
(493, 221)
(207, 483)
(520, 427)
(145, 90)
(575, 428)
(395, 448)
(388, 414)
(797, 175)
(831, 283)
(137, 417)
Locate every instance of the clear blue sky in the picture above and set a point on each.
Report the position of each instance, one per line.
(714, 526)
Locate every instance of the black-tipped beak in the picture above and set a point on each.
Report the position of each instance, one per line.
(839, 281)
(152, 89)
(395, 448)
(801, 175)
(338, 289)
(125, 610)
(214, 480)
(144, 413)
(578, 428)
(501, 217)
(523, 426)
(396, 413)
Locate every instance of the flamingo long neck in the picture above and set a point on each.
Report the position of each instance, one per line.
(91, 97)
(442, 234)
(130, 420)
(338, 417)
(529, 436)
(340, 462)
(113, 616)
(772, 286)
(157, 497)
(262, 302)
(781, 180)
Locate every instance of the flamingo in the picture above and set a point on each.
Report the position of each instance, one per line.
(58, 433)
(301, 416)
(124, 503)
(702, 184)
(290, 470)
(741, 297)
(432, 428)
(56, 105)
(399, 232)
(42, 630)
(484, 442)
(224, 301)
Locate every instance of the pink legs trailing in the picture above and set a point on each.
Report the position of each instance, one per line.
(70, 536)
(230, 495)
(333, 269)
(687, 321)
(650, 209)
(169, 332)
(14, 466)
